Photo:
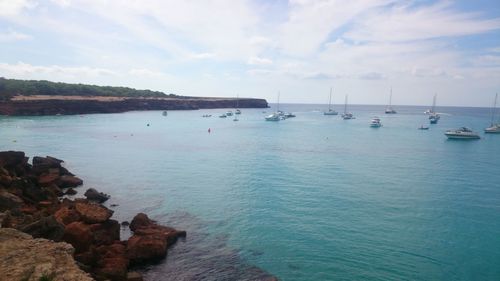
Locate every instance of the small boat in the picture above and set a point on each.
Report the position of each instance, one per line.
(330, 110)
(165, 113)
(273, 117)
(494, 128)
(222, 116)
(347, 115)
(462, 133)
(422, 127)
(375, 123)
(237, 111)
(236, 118)
(389, 109)
(276, 116)
(288, 115)
(207, 115)
(229, 113)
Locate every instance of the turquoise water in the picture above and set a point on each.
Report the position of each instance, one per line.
(309, 198)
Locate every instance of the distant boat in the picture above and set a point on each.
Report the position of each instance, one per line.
(375, 123)
(165, 113)
(433, 115)
(462, 133)
(229, 113)
(207, 115)
(236, 118)
(495, 127)
(237, 111)
(330, 110)
(222, 116)
(422, 127)
(288, 115)
(347, 115)
(276, 115)
(389, 109)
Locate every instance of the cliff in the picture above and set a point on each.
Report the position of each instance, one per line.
(71, 105)
(24, 258)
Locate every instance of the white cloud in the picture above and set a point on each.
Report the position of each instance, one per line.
(203, 56)
(146, 72)
(11, 36)
(259, 61)
(26, 70)
(10, 8)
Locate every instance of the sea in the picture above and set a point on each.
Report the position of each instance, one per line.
(313, 197)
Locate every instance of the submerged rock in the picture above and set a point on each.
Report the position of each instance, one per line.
(25, 258)
(95, 195)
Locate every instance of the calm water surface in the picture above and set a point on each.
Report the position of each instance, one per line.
(309, 198)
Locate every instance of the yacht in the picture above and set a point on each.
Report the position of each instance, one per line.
(347, 115)
(276, 116)
(462, 133)
(229, 113)
(389, 109)
(494, 128)
(375, 123)
(330, 110)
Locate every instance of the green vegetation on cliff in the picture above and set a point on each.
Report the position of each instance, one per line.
(12, 87)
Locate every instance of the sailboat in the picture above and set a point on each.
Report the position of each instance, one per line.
(275, 116)
(433, 115)
(347, 115)
(237, 111)
(495, 127)
(389, 109)
(330, 110)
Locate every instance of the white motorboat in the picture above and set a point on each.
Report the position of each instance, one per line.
(375, 123)
(237, 111)
(330, 110)
(462, 133)
(494, 128)
(229, 113)
(222, 116)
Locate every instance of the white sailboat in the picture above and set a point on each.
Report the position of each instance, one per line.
(347, 115)
(433, 115)
(495, 127)
(389, 109)
(237, 110)
(330, 110)
(275, 116)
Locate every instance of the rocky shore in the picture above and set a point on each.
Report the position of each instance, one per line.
(66, 105)
(41, 228)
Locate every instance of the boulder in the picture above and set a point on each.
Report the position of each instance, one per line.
(93, 213)
(95, 195)
(79, 235)
(46, 227)
(113, 261)
(47, 179)
(105, 233)
(134, 276)
(69, 181)
(140, 220)
(9, 201)
(66, 215)
(5, 180)
(48, 161)
(10, 159)
(70, 191)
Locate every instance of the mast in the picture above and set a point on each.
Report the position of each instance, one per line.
(493, 110)
(330, 102)
(345, 105)
(237, 100)
(278, 109)
(390, 99)
(434, 103)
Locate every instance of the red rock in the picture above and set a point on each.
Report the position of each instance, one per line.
(66, 215)
(113, 261)
(47, 179)
(79, 235)
(11, 158)
(141, 248)
(9, 201)
(105, 233)
(140, 220)
(134, 276)
(93, 213)
(69, 181)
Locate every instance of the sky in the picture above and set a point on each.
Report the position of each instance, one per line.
(300, 48)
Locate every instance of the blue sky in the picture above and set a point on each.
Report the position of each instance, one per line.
(257, 48)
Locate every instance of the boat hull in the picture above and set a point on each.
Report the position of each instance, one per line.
(331, 113)
(462, 137)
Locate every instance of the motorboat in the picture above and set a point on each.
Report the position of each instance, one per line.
(229, 113)
(422, 127)
(494, 128)
(288, 115)
(462, 133)
(165, 113)
(330, 110)
(237, 111)
(375, 123)
(222, 116)
(273, 117)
